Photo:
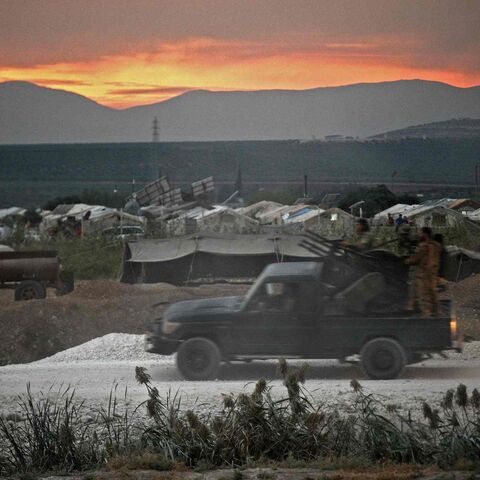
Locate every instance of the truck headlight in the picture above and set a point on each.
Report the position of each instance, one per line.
(453, 327)
(169, 327)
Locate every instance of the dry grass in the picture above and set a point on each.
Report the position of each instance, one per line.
(252, 430)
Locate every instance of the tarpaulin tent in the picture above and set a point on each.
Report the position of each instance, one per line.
(213, 256)
(461, 263)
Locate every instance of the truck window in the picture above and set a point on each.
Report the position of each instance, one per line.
(279, 297)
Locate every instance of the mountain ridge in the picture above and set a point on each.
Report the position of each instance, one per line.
(453, 128)
(30, 113)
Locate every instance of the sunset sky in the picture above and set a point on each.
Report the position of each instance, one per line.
(130, 52)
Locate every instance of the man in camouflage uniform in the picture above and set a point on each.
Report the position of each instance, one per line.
(407, 243)
(364, 241)
(427, 260)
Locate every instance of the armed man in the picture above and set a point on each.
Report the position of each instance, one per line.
(407, 243)
(427, 260)
(364, 241)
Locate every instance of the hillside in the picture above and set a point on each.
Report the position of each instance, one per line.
(32, 174)
(456, 128)
(32, 114)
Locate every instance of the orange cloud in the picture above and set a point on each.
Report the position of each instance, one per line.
(162, 72)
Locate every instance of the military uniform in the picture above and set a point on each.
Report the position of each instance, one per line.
(364, 243)
(406, 248)
(427, 261)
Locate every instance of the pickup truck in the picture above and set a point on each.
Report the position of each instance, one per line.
(292, 311)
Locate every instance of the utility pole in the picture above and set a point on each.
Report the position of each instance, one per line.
(155, 131)
(477, 177)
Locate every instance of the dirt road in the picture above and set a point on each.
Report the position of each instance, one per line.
(98, 308)
(327, 381)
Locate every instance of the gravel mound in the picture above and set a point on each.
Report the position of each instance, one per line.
(471, 351)
(35, 330)
(130, 347)
(114, 346)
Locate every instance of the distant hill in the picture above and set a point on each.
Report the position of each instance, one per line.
(456, 128)
(33, 114)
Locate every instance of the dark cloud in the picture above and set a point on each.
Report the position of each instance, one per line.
(439, 34)
(48, 82)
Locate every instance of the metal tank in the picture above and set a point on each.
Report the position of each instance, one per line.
(43, 266)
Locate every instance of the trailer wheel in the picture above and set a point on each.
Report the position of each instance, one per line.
(198, 359)
(383, 359)
(29, 290)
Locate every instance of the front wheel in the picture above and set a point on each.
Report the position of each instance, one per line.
(198, 359)
(383, 359)
(30, 290)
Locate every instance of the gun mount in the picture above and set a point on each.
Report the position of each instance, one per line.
(350, 270)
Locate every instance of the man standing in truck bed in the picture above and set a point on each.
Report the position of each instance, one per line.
(364, 240)
(427, 260)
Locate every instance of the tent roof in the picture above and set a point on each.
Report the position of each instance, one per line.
(7, 212)
(413, 210)
(259, 207)
(148, 250)
(454, 250)
(339, 211)
(395, 210)
(229, 212)
(302, 216)
(71, 209)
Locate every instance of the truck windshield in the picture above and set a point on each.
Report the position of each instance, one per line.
(253, 289)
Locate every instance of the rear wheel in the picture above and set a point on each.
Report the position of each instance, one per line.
(383, 359)
(198, 359)
(29, 290)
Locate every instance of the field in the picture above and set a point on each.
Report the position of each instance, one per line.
(32, 174)
(94, 335)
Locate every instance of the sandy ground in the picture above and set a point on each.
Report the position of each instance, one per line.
(378, 472)
(37, 329)
(327, 381)
(99, 308)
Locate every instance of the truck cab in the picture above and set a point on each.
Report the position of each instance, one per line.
(293, 311)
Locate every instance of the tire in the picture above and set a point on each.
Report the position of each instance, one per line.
(383, 359)
(198, 359)
(30, 290)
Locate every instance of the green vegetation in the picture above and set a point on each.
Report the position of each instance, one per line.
(376, 199)
(52, 433)
(90, 197)
(454, 128)
(460, 236)
(283, 197)
(91, 257)
(30, 173)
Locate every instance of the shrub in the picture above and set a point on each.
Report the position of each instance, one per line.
(57, 433)
(90, 257)
(253, 427)
(54, 432)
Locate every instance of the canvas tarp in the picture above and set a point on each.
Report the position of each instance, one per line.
(461, 263)
(143, 251)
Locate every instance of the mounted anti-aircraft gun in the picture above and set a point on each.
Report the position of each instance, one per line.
(374, 280)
